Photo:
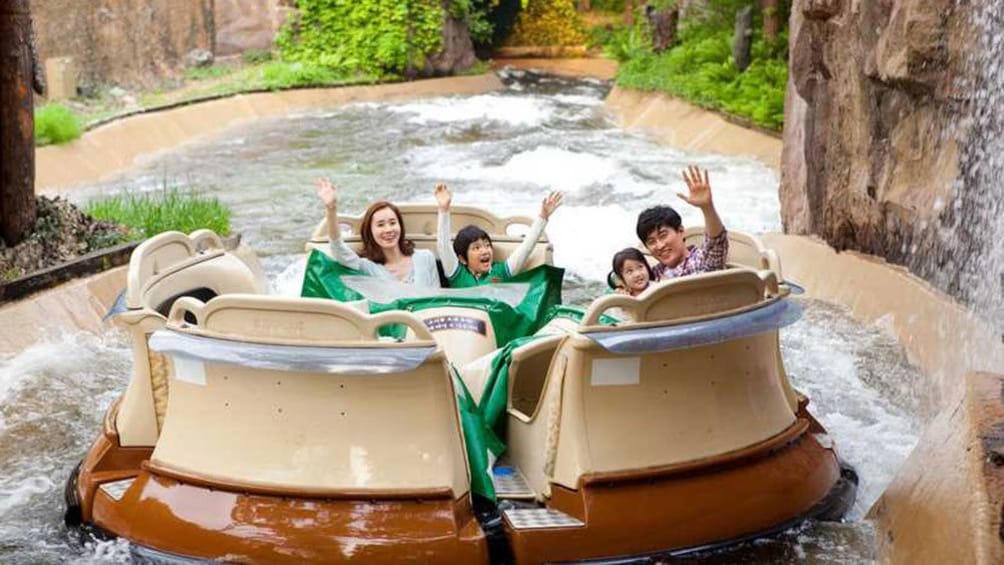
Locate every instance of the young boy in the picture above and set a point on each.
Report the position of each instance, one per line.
(661, 230)
(471, 260)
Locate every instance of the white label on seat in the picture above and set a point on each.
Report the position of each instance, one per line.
(616, 371)
(189, 370)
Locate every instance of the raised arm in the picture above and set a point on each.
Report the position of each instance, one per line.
(700, 196)
(446, 255)
(341, 252)
(518, 258)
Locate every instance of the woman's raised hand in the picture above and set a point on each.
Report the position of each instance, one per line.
(699, 187)
(443, 197)
(551, 203)
(327, 192)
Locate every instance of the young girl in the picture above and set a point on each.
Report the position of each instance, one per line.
(631, 274)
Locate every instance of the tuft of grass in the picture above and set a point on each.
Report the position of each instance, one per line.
(257, 56)
(204, 73)
(55, 124)
(281, 75)
(171, 209)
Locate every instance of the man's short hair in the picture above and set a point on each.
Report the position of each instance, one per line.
(467, 236)
(654, 218)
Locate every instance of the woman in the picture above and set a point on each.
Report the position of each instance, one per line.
(387, 253)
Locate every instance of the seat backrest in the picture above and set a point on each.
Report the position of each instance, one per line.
(298, 395)
(632, 399)
(163, 269)
(745, 250)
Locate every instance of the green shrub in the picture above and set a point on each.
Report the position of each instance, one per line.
(700, 69)
(170, 209)
(377, 37)
(55, 124)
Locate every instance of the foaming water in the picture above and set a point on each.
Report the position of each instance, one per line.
(502, 151)
(55, 395)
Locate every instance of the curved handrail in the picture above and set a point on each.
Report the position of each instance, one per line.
(766, 281)
(770, 316)
(336, 360)
(206, 239)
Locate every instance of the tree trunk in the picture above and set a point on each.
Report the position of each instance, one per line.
(629, 12)
(584, 6)
(771, 20)
(17, 123)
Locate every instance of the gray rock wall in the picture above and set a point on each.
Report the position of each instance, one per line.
(130, 42)
(877, 123)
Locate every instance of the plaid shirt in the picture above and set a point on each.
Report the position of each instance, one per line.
(709, 257)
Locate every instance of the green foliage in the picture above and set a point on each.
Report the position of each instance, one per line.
(280, 76)
(55, 124)
(378, 37)
(701, 70)
(170, 209)
(607, 5)
(546, 23)
(256, 56)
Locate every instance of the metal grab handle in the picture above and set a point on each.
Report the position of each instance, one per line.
(406, 318)
(601, 305)
(184, 305)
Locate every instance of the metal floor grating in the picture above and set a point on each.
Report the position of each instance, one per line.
(510, 483)
(540, 518)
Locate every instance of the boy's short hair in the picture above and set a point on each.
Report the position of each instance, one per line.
(651, 219)
(467, 236)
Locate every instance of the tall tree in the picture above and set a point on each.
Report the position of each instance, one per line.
(771, 19)
(17, 122)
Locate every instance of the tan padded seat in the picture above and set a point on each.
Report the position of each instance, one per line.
(161, 269)
(595, 411)
(317, 432)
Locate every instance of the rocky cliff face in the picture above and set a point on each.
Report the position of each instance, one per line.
(878, 128)
(242, 25)
(133, 42)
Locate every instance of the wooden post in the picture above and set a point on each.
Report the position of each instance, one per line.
(17, 122)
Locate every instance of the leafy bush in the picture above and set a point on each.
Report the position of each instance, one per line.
(548, 22)
(150, 214)
(55, 124)
(700, 69)
(371, 36)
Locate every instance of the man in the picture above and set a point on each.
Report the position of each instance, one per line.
(660, 228)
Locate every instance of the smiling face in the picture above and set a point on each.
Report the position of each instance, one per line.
(385, 228)
(666, 245)
(479, 256)
(635, 276)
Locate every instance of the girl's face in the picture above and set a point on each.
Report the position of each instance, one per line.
(635, 276)
(385, 228)
(479, 256)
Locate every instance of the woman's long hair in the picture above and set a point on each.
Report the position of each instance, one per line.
(371, 249)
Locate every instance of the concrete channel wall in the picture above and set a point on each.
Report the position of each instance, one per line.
(945, 503)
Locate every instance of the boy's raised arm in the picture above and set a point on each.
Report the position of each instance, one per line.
(445, 251)
(518, 258)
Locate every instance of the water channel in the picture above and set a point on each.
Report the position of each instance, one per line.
(501, 151)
